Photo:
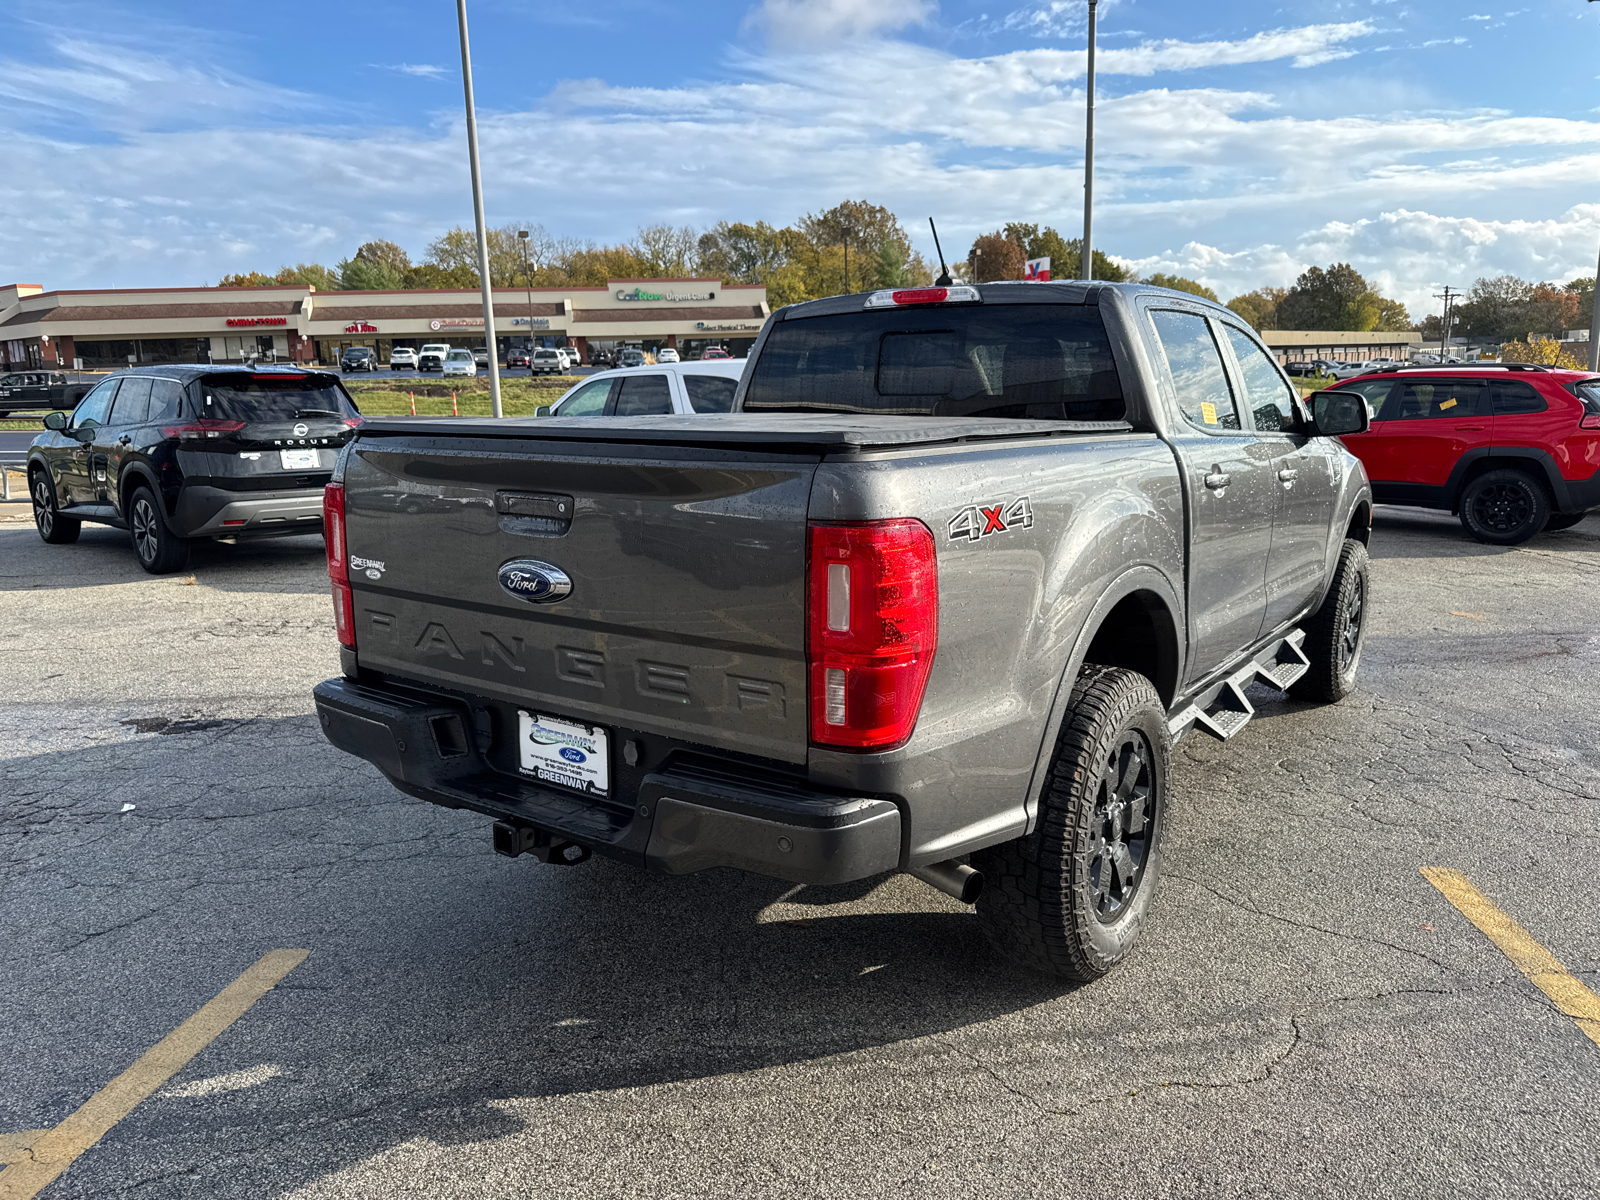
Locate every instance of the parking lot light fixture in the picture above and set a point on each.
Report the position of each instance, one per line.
(477, 213)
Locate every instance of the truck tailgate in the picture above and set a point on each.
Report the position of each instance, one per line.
(687, 565)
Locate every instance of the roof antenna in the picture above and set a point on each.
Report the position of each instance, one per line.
(944, 271)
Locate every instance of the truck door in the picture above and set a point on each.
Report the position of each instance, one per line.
(1302, 474)
(1228, 479)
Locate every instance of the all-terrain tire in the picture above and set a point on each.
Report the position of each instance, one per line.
(1069, 898)
(1505, 507)
(47, 519)
(1337, 632)
(159, 550)
(1559, 521)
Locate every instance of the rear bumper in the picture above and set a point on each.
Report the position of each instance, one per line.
(680, 818)
(204, 511)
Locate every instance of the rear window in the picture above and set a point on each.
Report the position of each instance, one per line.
(1587, 390)
(269, 398)
(1035, 362)
(710, 393)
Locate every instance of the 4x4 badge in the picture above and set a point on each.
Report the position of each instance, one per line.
(978, 521)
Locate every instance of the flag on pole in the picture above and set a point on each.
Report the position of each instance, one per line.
(1037, 268)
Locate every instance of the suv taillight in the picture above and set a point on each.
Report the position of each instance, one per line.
(202, 427)
(344, 608)
(1590, 421)
(872, 629)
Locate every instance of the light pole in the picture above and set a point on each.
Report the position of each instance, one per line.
(1087, 265)
(1594, 324)
(527, 278)
(477, 214)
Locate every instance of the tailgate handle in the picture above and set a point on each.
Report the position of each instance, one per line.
(534, 504)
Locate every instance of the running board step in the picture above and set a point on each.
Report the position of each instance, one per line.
(1223, 709)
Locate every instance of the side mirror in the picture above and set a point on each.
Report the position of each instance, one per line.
(544, 410)
(56, 421)
(1337, 413)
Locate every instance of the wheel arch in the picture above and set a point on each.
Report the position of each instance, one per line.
(1138, 624)
(137, 475)
(1538, 463)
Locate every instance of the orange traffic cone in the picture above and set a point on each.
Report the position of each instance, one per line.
(454, 411)
(413, 404)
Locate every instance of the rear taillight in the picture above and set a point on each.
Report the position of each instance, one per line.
(873, 626)
(924, 295)
(344, 609)
(1590, 421)
(203, 427)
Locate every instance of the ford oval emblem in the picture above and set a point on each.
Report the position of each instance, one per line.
(535, 581)
(301, 430)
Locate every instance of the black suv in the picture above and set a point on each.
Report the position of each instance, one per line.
(358, 358)
(174, 453)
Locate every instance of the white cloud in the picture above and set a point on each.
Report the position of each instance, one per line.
(818, 22)
(420, 70)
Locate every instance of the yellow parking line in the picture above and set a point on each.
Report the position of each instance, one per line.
(1541, 967)
(57, 1149)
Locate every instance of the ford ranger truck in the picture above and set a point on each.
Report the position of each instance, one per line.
(936, 597)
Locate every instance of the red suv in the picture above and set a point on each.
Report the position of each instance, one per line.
(1513, 448)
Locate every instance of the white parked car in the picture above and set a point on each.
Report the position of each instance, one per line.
(666, 355)
(1350, 370)
(402, 358)
(460, 362)
(548, 362)
(431, 357)
(660, 390)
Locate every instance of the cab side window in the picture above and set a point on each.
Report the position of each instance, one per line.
(1436, 400)
(587, 401)
(1269, 398)
(94, 408)
(710, 393)
(1514, 398)
(644, 396)
(1195, 366)
(133, 402)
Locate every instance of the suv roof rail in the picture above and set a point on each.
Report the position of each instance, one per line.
(1467, 367)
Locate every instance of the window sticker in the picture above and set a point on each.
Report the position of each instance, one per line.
(1208, 412)
(1450, 403)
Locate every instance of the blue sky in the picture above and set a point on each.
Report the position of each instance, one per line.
(163, 144)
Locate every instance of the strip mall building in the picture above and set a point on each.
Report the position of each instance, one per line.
(98, 329)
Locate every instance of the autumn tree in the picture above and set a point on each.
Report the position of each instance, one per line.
(1179, 283)
(1537, 349)
(1338, 298)
(859, 231)
(995, 256)
(1065, 254)
(1260, 307)
(247, 279)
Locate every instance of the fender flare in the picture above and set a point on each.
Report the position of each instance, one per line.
(1457, 483)
(1143, 578)
(131, 477)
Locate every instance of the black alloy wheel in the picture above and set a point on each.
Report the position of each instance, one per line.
(1355, 610)
(1124, 827)
(53, 528)
(1504, 508)
(159, 550)
(1336, 632)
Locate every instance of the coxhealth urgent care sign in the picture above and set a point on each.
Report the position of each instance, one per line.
(236, 322)
(455, 323)
(669, 297)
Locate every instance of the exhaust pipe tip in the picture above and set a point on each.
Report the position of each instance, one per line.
(953, 878)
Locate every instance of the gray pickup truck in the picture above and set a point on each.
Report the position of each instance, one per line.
(937, 597)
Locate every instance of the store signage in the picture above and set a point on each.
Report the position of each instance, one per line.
(361, 327)
(234, 322)
(726, 327)
(454, 322)
(673, 297)
(532, 322)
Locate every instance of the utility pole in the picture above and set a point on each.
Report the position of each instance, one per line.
(527, 278)
(1444, 327)
(1594, 325)
(477, 214)
(1087, 271)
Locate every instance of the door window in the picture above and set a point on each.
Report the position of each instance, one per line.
(96, 406)
(1266, 394)
(1436, 400)
(644, 396)
(710, 393)
(133, 402)
(587, 401)
(1196, 369)
(1514, 398)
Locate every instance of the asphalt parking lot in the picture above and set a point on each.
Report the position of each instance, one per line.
(1308, 1014)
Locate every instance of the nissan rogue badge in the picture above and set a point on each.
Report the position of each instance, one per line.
(535, 581)
(301, 430)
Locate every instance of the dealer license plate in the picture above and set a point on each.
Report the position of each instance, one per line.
(298, 460)
(564, 752)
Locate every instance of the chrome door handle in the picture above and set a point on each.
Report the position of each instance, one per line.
(1218, 480)
(1288, 474)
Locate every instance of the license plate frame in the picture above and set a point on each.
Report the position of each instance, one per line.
(566, 753)
(298, 460)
